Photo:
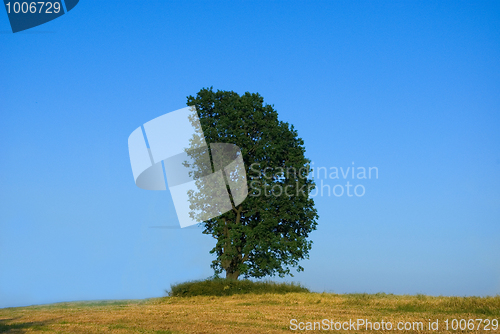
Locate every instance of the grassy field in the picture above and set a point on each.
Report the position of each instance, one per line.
(248, 313)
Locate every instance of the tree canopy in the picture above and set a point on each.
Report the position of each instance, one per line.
(266, 234)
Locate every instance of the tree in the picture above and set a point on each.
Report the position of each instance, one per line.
(267, 233)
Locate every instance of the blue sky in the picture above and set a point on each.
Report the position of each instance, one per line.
(410, 88)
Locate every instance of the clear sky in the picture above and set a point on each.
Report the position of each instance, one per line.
(412, 88)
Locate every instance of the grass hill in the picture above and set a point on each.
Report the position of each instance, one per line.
(261, 312)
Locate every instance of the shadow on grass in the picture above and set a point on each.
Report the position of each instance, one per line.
(7, 326)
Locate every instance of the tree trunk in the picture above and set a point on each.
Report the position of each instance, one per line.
(230, 265)
(233, 275)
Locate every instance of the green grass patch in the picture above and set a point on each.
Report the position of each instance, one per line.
(484, 306)
(228, 287)
(489, 306)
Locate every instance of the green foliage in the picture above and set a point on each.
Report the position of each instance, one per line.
(267, 233)
(228, 287)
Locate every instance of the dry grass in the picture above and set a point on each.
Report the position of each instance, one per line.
(268, 313)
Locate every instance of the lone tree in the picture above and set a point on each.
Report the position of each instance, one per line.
(267, 233)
